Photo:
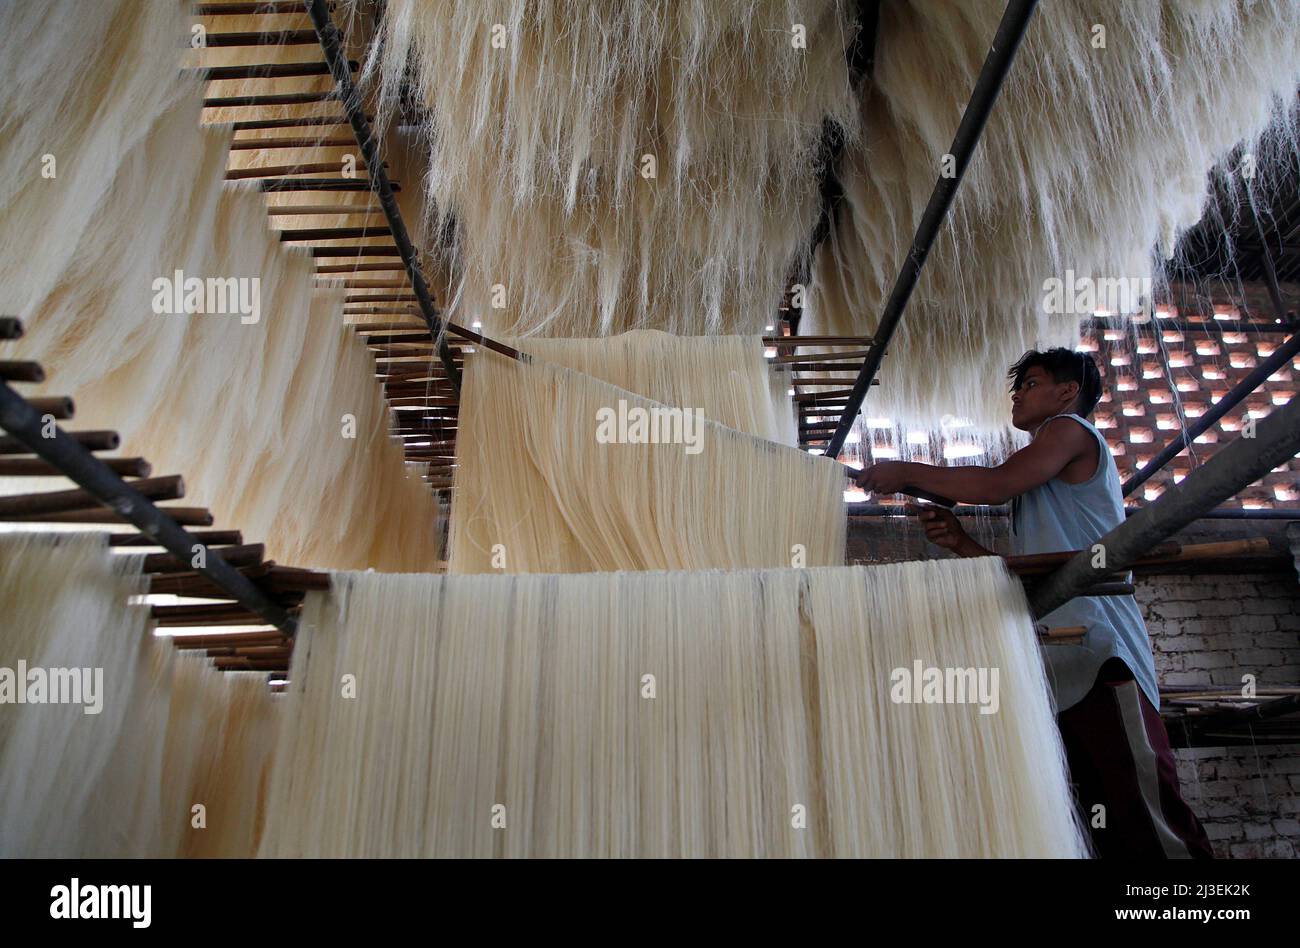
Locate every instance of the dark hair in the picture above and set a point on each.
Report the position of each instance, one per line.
(1063, 365)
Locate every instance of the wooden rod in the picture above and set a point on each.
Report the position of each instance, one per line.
(227, 639)
(279, 171)
(272, 144)
(260, 101)
(277, 185)
(21, 371)
(35, 467)
(61, 407)
(838, 395)
(854, 356)
(817, 340)
(265, 70)
(366, 329)
(208, 537)
(294, 121)
(90, 440)
(198, 586)
(360, 268)
(171, 487)
(251, 664)
(1065, 632)
(246, 555)
(820, 366)
(247, 9)
(319, 252)
(268, 38)
(265, 651)
(310, 210)
(335, 233)
(291, 579)
(242, 617)
(183, 516)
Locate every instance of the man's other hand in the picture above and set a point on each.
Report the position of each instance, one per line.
(943, 529)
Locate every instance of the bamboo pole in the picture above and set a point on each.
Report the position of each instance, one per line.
(856, 355)
(197, 586)
(267, 38)
(229, 639)
(249, 554)
(20, 371)
(171, 487)
(265, 101)
(183, 516)
(333, 233)
(35, 467)
(90, 440)
(210, 538)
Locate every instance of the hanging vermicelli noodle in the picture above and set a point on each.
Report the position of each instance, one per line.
(625, 165)
(64, 604)
(292, 446)
(230, 776)
(746, 713)
(541, 488)
(727, 377)
(170, 732)
(1094, 159)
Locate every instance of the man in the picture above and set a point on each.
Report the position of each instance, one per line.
(1065, 494)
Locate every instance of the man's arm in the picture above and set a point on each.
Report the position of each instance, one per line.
(1059, 443)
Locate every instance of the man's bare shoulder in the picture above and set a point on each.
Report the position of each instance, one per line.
(1066, 429)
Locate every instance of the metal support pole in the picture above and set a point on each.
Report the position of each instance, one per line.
(23, 422)
(1239, 392)
(1235, 466)
(1015, 20)
(331, 45)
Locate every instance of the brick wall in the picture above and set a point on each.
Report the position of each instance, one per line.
(1153, 376)
(1210, 630)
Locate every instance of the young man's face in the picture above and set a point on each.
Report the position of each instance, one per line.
(1039, 398)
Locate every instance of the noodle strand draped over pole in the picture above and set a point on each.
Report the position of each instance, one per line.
(747, 713)
(997, 64)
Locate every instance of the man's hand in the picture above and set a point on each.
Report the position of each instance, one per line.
(885, 477)
(943, 529)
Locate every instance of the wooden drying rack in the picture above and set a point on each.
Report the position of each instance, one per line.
(251, 590)
(283, 588)
(419, 360)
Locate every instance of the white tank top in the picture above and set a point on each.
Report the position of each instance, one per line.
(1058, 516)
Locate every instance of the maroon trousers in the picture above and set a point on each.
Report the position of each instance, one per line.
(1120, 760)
